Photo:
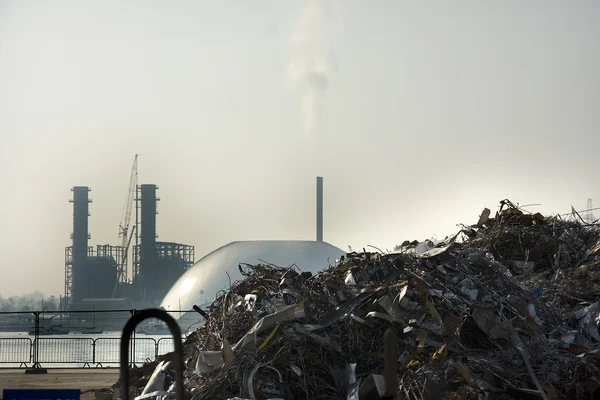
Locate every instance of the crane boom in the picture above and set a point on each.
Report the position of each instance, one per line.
(126, 216)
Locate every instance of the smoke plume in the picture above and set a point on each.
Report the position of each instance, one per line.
(312, 61)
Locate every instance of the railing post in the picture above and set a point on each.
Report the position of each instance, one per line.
(37, 368)
(156, 342)
(36, 337)
(30, 351)
(93, 351)
(132, 347)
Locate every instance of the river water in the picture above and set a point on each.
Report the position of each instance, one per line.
(77, 350)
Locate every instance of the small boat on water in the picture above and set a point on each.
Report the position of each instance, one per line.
(93, 331)
(53, 331)
(87, 332)
(154, 330)
(50, 331)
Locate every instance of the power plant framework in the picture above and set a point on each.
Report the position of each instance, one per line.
(165, 251)
(156, 265)
(97, 275)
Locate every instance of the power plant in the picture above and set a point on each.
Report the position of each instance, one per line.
(98, 279)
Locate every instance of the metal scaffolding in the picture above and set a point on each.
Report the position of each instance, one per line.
(68, 276)
(69, 272)
(182, 253)
(117, 253)
(176, 251)
(170, 261)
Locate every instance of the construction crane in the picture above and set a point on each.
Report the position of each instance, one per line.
(126, 217)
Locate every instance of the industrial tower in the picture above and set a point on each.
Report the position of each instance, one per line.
(76, 255)
(146, 267)
(319, 209)
(89, 273)
(589, 215)
(97, 278)
(156, 265)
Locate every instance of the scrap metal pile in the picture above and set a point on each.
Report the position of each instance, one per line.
(506, 309)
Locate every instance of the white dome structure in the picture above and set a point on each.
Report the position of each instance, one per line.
(214, 272)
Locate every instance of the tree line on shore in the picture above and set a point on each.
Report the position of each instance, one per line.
(35, 301)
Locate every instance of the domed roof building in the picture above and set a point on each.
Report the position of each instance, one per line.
(217, 270)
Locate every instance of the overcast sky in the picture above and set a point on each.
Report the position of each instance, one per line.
(418, 114)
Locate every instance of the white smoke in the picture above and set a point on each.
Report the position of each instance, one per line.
(313, 61)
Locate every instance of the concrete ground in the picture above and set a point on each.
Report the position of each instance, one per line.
(86, 380)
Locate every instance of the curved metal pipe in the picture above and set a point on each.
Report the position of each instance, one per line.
(128, 330)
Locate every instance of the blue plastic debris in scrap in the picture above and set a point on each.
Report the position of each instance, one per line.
(41, 394)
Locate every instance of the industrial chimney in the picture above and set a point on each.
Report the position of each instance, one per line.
(148, 268)
(319, 209)
(80, 238)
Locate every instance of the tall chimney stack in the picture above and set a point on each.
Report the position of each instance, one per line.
(149, 273)
(80, 238)
(319, 209)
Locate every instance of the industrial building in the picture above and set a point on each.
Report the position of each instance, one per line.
(98, 279)
(215, 272)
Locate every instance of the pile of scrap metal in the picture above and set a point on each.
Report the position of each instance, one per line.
(506, 309)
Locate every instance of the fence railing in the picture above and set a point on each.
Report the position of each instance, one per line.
(78, 352)
(50, 342)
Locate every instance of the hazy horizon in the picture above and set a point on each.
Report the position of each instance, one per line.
(417, 115)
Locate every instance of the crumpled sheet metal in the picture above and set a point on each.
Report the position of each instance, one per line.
(593, 253)
(499, 313)
(209, 361)
(157, 379)
(589, 320)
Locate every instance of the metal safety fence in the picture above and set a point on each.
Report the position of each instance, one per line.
(78, 352)
(15, 351)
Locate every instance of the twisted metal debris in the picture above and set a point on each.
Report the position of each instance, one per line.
(506, 309)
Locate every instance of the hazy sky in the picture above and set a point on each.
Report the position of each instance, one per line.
(424, 112)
